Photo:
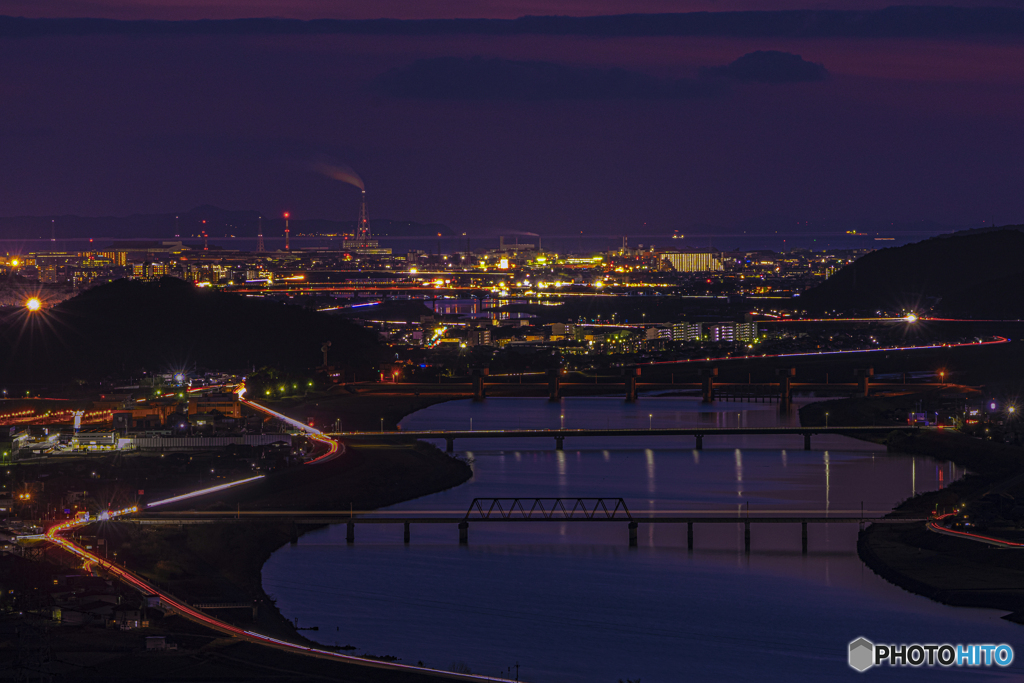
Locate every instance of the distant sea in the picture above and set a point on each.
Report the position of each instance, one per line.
(585, 244)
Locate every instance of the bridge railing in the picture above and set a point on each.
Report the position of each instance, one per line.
(548, 508)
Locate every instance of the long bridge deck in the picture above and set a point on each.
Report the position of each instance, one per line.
(504, 510)
(559, 435)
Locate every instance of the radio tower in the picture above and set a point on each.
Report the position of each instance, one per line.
(259, 238)
(286, 215)
(363, 233)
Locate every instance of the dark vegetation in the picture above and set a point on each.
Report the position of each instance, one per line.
(968, 275)
(128, 327)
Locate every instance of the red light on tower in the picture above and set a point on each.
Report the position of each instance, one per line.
(286, 217)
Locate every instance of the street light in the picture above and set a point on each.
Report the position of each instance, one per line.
(826, 420)
(650, 420)
(33, 304)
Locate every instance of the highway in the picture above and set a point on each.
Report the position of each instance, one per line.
(55, 535)
(559, 435)
(936, 526)
(656, 431)
(333, 446)
(811, 354)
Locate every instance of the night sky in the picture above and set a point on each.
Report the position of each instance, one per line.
(621, 126)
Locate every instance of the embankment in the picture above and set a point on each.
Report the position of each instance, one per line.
(223, 562)
(949, 570)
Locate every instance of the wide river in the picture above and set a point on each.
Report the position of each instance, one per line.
(571, 602)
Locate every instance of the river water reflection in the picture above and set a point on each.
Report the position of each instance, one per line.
(571, 602)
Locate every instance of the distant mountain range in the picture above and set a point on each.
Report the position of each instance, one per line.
(215, 221)
(969, 274)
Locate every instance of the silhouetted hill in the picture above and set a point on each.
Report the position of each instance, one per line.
(128, 326)
(217, 222)
(978, 274)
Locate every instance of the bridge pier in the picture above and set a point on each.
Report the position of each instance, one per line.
(746, 537)
(463, 533)
(350, 532)
(786, 376)
(863, 379)
(689, 535)
(630, 382)
(803, 536)
(707, 392)
(700, 442)
(807, 441)
(407, 535)
(632, 534)
(449, 445)
(559, 442)
(554, 385)
(479, 391)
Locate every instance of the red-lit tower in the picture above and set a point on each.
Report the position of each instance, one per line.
(363, 229)
(286, 216)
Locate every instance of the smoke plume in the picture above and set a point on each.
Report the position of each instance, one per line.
(340, 172)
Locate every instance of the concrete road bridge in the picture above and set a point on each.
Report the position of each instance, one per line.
(511, 511)
(560, 435)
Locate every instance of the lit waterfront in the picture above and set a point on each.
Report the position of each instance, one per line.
(579, 605)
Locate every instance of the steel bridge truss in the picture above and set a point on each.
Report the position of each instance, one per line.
(548, 508)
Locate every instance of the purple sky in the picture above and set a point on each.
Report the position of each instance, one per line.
(903, 128)
(421, 9)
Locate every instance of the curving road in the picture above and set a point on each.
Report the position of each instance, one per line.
(55, 535)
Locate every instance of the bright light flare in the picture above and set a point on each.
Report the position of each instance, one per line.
(911, 318)
(33, 304)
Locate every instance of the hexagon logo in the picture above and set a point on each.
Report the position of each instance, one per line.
(862, 654)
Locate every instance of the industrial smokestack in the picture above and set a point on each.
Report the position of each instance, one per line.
(363, 228)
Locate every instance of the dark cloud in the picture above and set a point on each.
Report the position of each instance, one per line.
(891, 22)
(769, 66)
(476, 78)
